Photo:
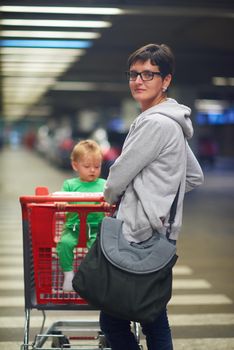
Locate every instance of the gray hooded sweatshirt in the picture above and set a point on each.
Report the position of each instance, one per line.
(155, 160)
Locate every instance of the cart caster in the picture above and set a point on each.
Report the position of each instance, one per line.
(103, 343)
(61, 341)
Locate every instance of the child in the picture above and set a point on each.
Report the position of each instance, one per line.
(86, 161)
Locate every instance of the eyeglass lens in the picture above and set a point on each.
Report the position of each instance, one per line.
(145, 75)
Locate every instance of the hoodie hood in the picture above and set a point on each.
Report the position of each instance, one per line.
(178, 112)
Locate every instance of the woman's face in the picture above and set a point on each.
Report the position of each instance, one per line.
(148, 93)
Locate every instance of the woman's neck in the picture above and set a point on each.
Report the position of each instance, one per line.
(161, 99)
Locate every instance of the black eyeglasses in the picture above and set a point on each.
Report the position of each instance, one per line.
(146, 75)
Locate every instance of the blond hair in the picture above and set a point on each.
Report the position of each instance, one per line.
(85, 147)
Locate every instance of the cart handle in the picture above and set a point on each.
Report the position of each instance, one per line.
(62, 197)
(71, 207)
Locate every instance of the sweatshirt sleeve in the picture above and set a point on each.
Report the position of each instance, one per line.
(194, 174)
(65, 186)
(134, 158)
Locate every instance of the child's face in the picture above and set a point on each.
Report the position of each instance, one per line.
(88, 167)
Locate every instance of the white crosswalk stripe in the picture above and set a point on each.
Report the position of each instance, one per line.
(201, 319)
(190, 284)
(12, 285)
(179, 344)
(179, 300)
(177, 285)
(204, 344)
(15, 272)
(175, 320)
(8, 244)
(200, 299)
(4, 260)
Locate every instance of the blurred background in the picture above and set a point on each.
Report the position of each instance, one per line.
(62, 79)
(63, 64)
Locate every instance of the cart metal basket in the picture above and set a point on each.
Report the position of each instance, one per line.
(43, 278)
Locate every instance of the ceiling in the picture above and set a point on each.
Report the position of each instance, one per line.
(200, 34)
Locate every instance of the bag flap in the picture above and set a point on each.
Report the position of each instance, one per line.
(146, 257)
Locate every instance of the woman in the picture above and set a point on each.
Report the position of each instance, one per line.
(155, 161)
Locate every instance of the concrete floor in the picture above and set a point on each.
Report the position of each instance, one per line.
(201, 311)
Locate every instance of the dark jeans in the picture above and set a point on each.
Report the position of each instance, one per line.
(118, 333)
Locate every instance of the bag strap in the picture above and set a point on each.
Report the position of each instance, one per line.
(172, 213)
(171, 217)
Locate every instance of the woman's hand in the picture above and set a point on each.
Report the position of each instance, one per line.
(105, 205)
(108, 208)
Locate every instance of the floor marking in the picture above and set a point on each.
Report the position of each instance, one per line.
(10, 345)
(179, 344)
(11, 285)
(191, 284)
(10, 243)
(182, 270)
(9, 260)
(12, 250)
(11, 301)
(175, 320)
(204, 344)
(36, 321)
(200, 299)
(12, 271)
(10, 225)
(201, 319)
(6, 284)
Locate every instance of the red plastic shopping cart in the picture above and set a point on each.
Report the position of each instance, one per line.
(42, 226)
(43, 223)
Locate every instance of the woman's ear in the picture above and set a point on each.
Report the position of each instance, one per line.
(167, 81)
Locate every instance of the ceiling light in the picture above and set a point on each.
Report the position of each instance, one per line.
(157, 10)
(25, 81)
(76, 44)
(88, 86)
(206, 106)
(223, 81)
(64, 10)
(41, 51)
(55, 23)
(37, 58)
(219, 81)
(24, 96)
(50, 34)
(36, 71)
(32, 65)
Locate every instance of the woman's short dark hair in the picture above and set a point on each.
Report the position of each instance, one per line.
(159, 55)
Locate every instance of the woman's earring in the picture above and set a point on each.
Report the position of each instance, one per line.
(164, 89)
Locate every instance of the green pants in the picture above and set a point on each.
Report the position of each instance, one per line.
(69, 240)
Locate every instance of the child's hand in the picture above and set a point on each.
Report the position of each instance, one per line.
(60, 205)
(105, 205)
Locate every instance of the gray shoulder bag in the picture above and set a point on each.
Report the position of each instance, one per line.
(129, 281)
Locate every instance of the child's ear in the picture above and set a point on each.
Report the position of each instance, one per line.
(74, 165)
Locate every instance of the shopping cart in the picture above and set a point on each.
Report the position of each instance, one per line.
(43, 278)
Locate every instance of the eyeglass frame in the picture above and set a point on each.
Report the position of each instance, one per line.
(140, 74)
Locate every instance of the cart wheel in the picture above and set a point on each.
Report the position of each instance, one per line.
(60, 342)
(103, 343)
